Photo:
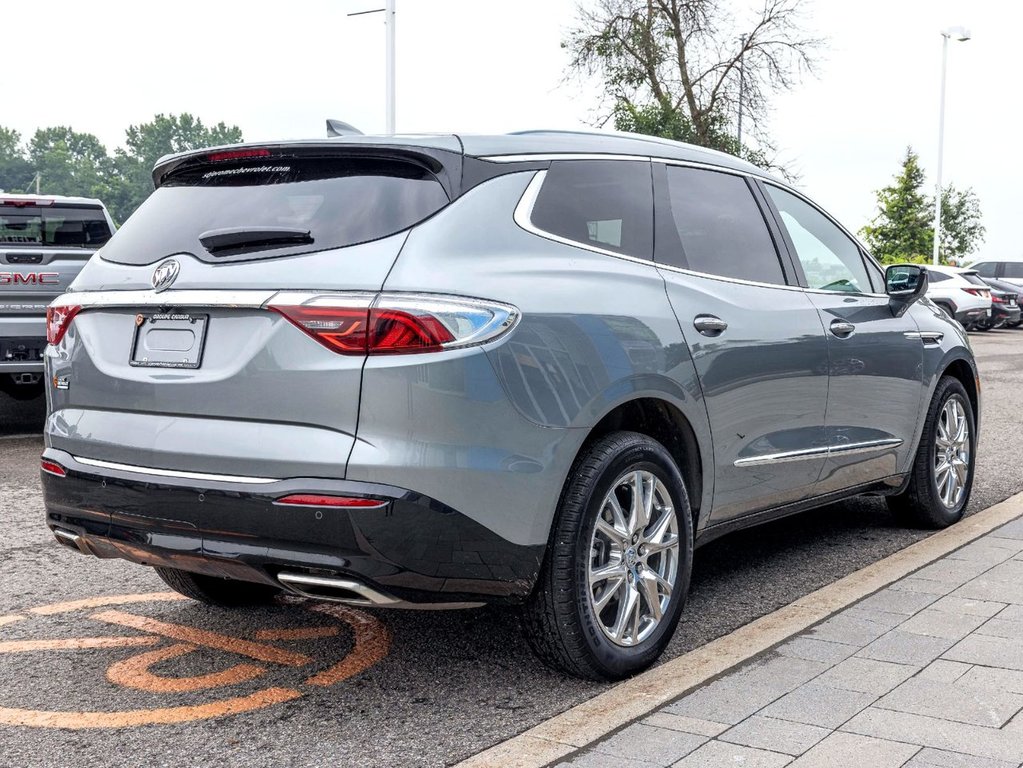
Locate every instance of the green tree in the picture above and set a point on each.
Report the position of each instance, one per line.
(146, 143)
(70, 163)
(685, 68)
(16, 172)
(961, 227)
(903, 226)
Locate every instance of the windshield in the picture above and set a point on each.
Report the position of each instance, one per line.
(65, 226)
(276, 206)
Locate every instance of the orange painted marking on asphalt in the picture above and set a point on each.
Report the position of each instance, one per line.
(10, 619)
(302, 633)
(204, 637)
(84, 720)
(134, 673)
(372, 643)
(75, 644)
(99, 602)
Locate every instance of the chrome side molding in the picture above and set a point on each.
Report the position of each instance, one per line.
(846, 449)
(182, 474)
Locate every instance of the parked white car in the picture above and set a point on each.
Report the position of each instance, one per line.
(1007, 268)
(958, 297)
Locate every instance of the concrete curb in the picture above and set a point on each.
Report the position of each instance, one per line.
(634, 698)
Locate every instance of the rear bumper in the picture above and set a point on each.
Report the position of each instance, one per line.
(413, 548)
(1006, 314)
(965, 316)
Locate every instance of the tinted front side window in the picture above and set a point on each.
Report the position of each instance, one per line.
(606, 204)
(830, 259)
(300, 204)
(721, 227)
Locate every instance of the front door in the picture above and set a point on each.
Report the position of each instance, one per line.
(757, 341)
(875, 357)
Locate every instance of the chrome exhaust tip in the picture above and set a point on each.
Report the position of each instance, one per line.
(352, 592)
(72, 540)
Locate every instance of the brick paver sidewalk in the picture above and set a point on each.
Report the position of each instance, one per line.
(926, 673)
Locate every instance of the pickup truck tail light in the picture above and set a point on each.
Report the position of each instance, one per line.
(58, 319)
(394, 323)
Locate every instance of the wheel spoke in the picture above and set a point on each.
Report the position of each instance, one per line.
(609, 591)
(617, 513)
(662, 525)
(625, 609)
(653, 547)
(611, 531)
(614, 570)
(641, 503)
(652, 598)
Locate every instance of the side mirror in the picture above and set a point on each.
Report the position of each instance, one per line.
(904, 284)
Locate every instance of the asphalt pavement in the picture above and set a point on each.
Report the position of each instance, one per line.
(140, 680)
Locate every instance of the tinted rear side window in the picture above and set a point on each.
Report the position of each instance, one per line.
(57, 225)
(1014, 269)
(986, 268)
(721, 227)
(337, 201)
(606, 204)
(937, 277)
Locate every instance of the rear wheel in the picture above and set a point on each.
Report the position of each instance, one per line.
(212, 590)
(942, 474)
(614, 581)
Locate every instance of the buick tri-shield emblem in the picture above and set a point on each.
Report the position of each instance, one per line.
(165, 274)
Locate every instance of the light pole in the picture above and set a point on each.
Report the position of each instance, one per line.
(961, 34)
(389, 18)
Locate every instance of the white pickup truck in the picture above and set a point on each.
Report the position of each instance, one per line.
(45, 241)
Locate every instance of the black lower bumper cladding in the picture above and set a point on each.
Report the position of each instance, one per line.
(412, 547)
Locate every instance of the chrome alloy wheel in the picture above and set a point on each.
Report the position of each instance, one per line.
(633, 558)
(952, 452)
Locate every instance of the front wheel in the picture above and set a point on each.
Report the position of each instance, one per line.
(615, 578)
(226, 593)
(942, 474)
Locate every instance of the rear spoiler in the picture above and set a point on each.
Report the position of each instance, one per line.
(441, 155)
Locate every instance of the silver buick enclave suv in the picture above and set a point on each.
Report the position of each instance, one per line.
(448, 370)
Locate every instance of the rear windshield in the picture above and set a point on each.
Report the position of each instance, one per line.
(276, 206)
(973, 278)
(65, 226)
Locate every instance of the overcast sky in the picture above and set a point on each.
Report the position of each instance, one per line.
(278, 69)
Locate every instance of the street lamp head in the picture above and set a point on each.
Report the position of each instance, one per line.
(962, 34)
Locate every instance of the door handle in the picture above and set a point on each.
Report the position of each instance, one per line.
(709, 325)
(841, 328)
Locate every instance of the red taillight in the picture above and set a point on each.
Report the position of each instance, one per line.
(52, 468)
(316, 500)
(982, 292)
(373, 331)
(21, 203)
(57, 321)
(237, 154)
(997, 299)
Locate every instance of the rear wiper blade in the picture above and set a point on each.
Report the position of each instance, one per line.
(253, 238)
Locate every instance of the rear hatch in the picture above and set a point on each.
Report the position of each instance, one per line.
(203, 375)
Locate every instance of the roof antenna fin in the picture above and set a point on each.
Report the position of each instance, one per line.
(341, 128)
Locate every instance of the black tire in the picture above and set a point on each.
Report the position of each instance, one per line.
(211, 590)
(561, 625)
(920, 504)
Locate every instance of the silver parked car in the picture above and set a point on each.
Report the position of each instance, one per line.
(534, 369)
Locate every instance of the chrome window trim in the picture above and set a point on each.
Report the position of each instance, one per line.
(846, 449)
(523, 218)
(551, 156)
(181, 474)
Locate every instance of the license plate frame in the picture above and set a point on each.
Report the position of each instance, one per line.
(139, 357)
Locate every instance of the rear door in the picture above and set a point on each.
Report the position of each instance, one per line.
(756, 339)
(876, 387)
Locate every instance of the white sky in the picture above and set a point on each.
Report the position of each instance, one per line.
(279, 69)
